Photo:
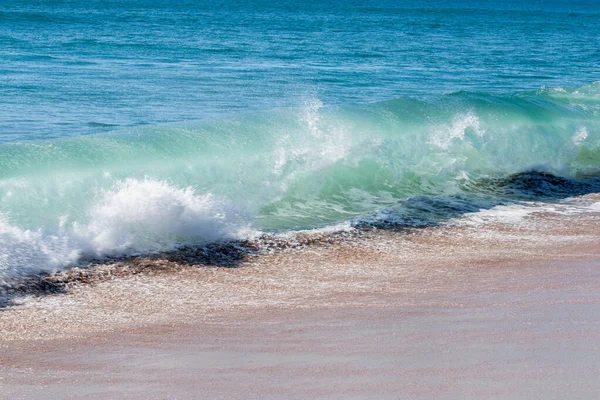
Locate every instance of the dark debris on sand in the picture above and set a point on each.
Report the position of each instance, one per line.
(226, 255)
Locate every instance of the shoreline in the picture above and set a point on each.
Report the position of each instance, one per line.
(447, 311)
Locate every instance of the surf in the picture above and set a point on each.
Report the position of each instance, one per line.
(403, 161)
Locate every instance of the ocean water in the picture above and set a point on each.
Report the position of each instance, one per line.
(140, 126)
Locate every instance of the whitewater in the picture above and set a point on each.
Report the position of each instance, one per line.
(402, 162)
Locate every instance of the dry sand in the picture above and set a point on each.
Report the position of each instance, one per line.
(499, 310)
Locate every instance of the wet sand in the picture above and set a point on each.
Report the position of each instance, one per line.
(499, 310)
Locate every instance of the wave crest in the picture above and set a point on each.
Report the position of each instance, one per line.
(135, 216)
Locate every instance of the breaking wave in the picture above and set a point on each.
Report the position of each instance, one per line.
(407, 161)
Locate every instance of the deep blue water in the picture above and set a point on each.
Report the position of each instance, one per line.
(78, 67)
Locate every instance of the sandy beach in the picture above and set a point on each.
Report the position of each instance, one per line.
(506, 309)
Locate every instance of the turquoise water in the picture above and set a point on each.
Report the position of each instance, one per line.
(129, 127)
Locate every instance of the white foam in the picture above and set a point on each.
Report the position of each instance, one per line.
(24, 251)
(502, 214)
(135, 216)
(319, 143)
(443, 136)
(518, 213)
(580, 136)
(329, 229)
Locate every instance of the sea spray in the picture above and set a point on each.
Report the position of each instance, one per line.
(134, 217)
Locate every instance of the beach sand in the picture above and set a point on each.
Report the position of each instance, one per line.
(501, 309)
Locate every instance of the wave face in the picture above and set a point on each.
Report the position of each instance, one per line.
(403, 161)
